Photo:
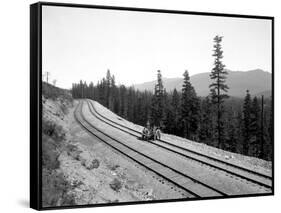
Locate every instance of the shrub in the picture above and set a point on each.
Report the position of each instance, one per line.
(113, 167)
(49, 153)
(95, 163)
(52, 136)
(73, 151)
(92, 165)
(116, 185)
(53, 130)
(64, 108)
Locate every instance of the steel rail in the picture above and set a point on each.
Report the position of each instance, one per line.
(128, 156)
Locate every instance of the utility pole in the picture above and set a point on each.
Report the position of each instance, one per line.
(47, 74)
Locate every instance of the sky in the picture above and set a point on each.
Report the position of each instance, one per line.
(82, 43)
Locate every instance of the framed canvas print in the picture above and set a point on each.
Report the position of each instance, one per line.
(134, 105)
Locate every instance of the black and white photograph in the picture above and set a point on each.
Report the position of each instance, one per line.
(145, 106)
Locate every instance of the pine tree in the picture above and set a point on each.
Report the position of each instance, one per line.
(175, 100)
(219, 88)
(268, 155)
(130, 103)
(91, 91)
(255, 140)
(157, 107)
(175, 107)
(246, 123)
(103, 92)
(81, 86)
(189, 109)
(123, 101)
(205, 129)
(147, 106)
(107, 88)
(168, 117)
(111, 92)
(239, 131)
(232, 129)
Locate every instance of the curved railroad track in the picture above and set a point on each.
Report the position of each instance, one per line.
(194, 188)
(238, 171)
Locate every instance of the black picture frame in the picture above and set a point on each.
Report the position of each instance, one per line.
(36, 99)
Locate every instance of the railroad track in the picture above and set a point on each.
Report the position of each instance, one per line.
(238, 171)
(193, 188)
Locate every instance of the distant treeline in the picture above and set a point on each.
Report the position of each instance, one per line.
(233, 124)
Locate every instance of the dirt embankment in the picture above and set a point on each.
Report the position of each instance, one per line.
(56, 105)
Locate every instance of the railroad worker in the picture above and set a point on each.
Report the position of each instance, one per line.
(144, 133)
(154, 132)
(148, 124)
(158, 134)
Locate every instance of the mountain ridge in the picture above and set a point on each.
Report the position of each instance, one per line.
(256, 81)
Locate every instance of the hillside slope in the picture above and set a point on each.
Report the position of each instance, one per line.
(57, 105)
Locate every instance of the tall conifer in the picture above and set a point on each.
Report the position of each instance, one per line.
(246, 122)
(218, 88)
(157, 108)
(189, 108)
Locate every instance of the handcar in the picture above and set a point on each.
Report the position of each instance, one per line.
(147, 135)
